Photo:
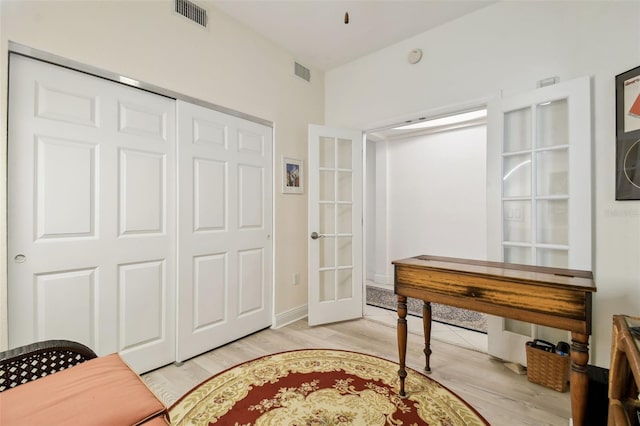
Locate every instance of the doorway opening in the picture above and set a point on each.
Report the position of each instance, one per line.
(425, 192)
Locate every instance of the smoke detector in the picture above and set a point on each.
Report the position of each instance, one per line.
(414, 56)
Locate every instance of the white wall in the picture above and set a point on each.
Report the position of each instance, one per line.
(436, 195)
(228, 65)
(507, 47)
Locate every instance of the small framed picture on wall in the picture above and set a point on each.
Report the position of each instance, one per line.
(292, 176)
(628, 135)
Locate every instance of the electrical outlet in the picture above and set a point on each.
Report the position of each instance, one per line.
(296, 278)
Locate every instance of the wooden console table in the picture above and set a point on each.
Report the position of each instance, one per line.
(559, 298)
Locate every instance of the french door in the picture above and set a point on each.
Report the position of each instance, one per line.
(335, 224)
(538, 193)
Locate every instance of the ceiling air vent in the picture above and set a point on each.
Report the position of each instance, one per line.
(303, 72)
(192, 11)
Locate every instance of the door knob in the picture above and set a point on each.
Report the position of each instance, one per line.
(20, 258)
(315, 235)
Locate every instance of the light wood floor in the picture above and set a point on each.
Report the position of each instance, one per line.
(500, 395)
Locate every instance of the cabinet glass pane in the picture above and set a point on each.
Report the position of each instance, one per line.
(345, 257)
(327, 152)
(344, 154)
(520, 255)
(327, 187)
(327, 219)
(553, 258)
(327, 252)
(517, 130)
(345, 287)
(516, 178)
(344, 186)
(344, 218)
(327, 283)
(517, 221)
(552, 124)
(552, 222)
(552, 172)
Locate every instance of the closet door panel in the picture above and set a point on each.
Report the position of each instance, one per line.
(209, 195)
(210, 290)
(52, 290)
(224, 237)
(91, 186)
(65, 188)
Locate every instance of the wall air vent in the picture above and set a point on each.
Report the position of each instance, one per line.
(303, 72)
(192, 11)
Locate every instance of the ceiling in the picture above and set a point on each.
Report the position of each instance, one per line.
(315, 33)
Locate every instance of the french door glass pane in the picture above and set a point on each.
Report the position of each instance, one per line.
(518, 327)
(327, 286)
(553, 222)
(552, 124)
(327, 187)
(517, 130)
(344, 186)
(553, 258)
(552, 172)
(327, 252)
(327, 218)
(516, 180)
(517, 221)
(327, 152)
(345, 288)
(344, 252)
(344, 154)
(344, 218)
(521, 255)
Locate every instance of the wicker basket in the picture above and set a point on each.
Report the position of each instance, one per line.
(548, 369)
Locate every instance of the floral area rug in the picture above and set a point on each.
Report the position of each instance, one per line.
(320, 387)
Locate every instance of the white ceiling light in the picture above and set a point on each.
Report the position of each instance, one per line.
(445, 121)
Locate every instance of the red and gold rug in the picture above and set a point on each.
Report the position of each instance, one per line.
(320, 387)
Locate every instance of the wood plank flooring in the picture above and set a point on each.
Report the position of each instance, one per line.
(500, 395)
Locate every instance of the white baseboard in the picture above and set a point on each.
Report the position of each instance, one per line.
(292, 315)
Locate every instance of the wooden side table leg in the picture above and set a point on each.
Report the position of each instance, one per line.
(426, 324)
(579, 377)
(402, 341)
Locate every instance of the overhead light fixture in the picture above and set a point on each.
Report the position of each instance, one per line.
(445, 121)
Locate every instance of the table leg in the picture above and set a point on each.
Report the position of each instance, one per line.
(426, 324)
(402, 341)
(579, 377)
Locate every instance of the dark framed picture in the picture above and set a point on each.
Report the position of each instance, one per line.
(628, 135)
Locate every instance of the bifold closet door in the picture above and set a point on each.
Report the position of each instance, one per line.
(91, 213)
(225, 225)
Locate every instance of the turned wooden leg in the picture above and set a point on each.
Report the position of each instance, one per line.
(579, 377)
(402, 341)
(426, 324)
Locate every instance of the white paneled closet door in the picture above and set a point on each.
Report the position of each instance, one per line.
(225, 225)
(91, 225)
